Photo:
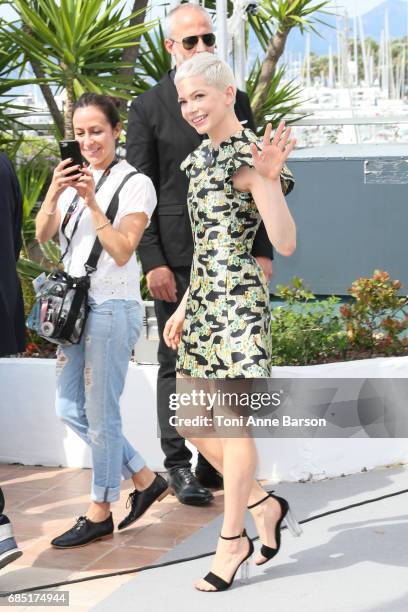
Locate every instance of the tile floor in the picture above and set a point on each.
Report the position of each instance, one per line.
(43, 502)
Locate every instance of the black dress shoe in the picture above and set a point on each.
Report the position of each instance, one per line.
(209, 477)
(140, 501)
(84, 532)
(187, 488)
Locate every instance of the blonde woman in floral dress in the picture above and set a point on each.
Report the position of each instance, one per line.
(221, 328)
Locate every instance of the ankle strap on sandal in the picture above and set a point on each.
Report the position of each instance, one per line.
(260, 501)
(241, 535)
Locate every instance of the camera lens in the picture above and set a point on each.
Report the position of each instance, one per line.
(57, 290)
(47, 328)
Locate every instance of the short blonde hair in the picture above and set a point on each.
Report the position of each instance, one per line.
(216, 72)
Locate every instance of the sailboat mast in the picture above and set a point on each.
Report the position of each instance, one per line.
(355, 58)
(363, 50)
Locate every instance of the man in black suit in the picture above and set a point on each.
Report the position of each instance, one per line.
(158, 140)
(12, 323)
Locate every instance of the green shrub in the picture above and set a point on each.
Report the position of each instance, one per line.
(305, 330)
(308, 331)
(377, 318)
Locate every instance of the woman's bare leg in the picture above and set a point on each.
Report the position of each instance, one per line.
(98, 511)
(212, 450)
(237, 485)
(143, 478)
(264, 515)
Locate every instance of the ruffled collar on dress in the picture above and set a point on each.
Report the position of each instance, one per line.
(211, 153)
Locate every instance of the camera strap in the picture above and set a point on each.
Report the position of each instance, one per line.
(71, 208)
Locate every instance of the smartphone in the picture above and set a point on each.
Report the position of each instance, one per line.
(71, 148)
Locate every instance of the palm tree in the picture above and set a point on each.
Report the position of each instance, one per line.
(272, 25)
(11, 113)
(153, 61)
(75, 46)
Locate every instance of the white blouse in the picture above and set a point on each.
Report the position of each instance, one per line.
(110, 281)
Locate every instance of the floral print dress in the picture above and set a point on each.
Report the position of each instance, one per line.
(226, 331)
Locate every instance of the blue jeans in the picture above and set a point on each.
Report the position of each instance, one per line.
(90, 380)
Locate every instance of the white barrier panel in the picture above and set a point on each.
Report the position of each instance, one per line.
(30, 432)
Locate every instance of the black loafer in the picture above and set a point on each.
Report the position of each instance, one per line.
(84, 532)
(209, 477)
(187, 488)
(140, 501)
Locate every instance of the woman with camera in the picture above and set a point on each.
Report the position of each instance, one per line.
(91, 374)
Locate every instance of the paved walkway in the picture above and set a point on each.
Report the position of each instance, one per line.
(352, 561)
(43, 502)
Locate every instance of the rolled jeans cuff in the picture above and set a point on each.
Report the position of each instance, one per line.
(131, 467)
(105, 494)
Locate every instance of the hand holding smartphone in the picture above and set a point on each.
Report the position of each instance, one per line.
(71, 149)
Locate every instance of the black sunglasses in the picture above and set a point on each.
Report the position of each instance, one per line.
(189, 42)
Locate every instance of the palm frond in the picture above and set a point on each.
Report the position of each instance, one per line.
(283, 100)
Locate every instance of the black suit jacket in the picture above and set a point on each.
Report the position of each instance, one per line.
(12, 323)
(158, 140)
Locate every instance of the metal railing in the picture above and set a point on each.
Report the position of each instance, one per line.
(317, 121)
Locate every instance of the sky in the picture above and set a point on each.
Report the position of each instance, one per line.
(357, 7)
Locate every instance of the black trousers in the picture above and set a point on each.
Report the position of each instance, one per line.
(173, 445)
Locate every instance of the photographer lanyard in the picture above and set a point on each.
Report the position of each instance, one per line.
(73, 205)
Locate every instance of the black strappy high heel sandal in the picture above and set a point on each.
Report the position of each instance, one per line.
(286, 516)
(219, 583)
